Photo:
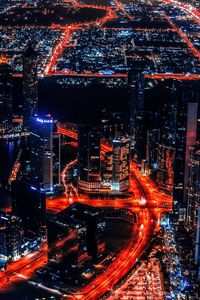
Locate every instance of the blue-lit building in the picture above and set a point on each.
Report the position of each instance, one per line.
(11, 236)
(41, 151)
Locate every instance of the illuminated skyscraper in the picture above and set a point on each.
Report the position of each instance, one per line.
(186, 134)
(89, 158)
(178, 133)
(30, 84)
(193, 191)
(6, 107)
(11, 235)
(197, 248)
(107, 166)
(29, 203)
(56, 159)
(41, 151)
(153, 136)
(165, 167)
(136, 98)
(144, 122)
(121, 164)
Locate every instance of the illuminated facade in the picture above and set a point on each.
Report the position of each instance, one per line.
(107, 167)
(11, 235)
(165, 167)
(30, 85)
(186, 135)
(197, 248)
(6, 105)
(56, 159)
(121, 164)
(115, 123)
(41, 151)
(89, 138)
(178, 133)
(102, 169)
(193, 191)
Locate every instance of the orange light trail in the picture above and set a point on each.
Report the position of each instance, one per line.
(148, 215)
(184, 37)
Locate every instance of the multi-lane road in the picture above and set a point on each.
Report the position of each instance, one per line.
(148, 203)
(110, 14)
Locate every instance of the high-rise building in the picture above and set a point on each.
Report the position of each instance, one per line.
(186, 133)
(166, 146)
(115, 123)
(56, 159)
(29, 203)
(178, 133)
(11, 236)
(193, 191)
(153, 136)
(6, 104)
(107, 167)
(121, 164)
(191, 138)
(197, 248)
(145, 121)
(89, 138)
(41, 151)
(136, 97)
(30, 84)
(165, 167)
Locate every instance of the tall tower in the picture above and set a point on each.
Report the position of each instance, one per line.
(30, 84)
(121, 164)
(41, 151)
(89, 158)
(186, 134)
(193, 190)
(136, 98)
(191, 138)
(197, 248)
(6, 105)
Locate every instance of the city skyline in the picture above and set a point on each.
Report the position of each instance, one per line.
(99, 149)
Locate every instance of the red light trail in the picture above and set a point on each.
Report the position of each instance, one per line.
(26, 266)
(148, 203)
(110, 14)
(121, 7)
(144, 282)
(192, 11)
(57, 52)
(68, 31)
(184, 37)
(163, 76)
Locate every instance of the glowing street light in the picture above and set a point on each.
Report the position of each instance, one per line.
(143, 201)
